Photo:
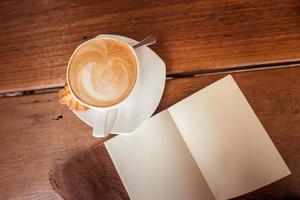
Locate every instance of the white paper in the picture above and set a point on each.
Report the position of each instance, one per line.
(154, 163)
(210, 145)
(227, 141)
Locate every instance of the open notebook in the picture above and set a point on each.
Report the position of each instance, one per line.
(210, 145)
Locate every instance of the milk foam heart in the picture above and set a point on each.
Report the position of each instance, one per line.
(102, 72)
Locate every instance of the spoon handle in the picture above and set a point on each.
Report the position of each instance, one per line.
(147, 41)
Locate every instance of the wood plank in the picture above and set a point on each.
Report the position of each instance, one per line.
(38, 37)
(33, 141)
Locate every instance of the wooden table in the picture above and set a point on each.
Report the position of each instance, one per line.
(200, 41)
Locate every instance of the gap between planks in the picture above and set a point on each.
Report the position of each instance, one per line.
(247, 68)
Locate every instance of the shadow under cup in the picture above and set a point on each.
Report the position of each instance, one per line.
(103, 73)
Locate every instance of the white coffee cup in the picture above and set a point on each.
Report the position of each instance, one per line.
(106, 116)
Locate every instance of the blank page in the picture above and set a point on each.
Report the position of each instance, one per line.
(227, 141)
(154, 163)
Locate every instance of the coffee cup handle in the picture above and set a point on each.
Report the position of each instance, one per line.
(105, 120)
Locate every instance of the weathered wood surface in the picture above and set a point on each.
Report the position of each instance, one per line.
(38, 37)
(32, 140)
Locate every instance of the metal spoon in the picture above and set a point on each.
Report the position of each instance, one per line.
(145, 42)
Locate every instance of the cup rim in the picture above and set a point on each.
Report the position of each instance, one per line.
(123, 100)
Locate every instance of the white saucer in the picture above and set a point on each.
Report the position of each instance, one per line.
(148, 95)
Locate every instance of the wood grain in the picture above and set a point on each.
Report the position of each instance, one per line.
(38, 37)
(33, 138)
(37, 133)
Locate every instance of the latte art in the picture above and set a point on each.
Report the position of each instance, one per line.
(109, 87)
(102, 72)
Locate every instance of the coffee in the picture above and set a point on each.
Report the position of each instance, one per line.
(102, 72)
